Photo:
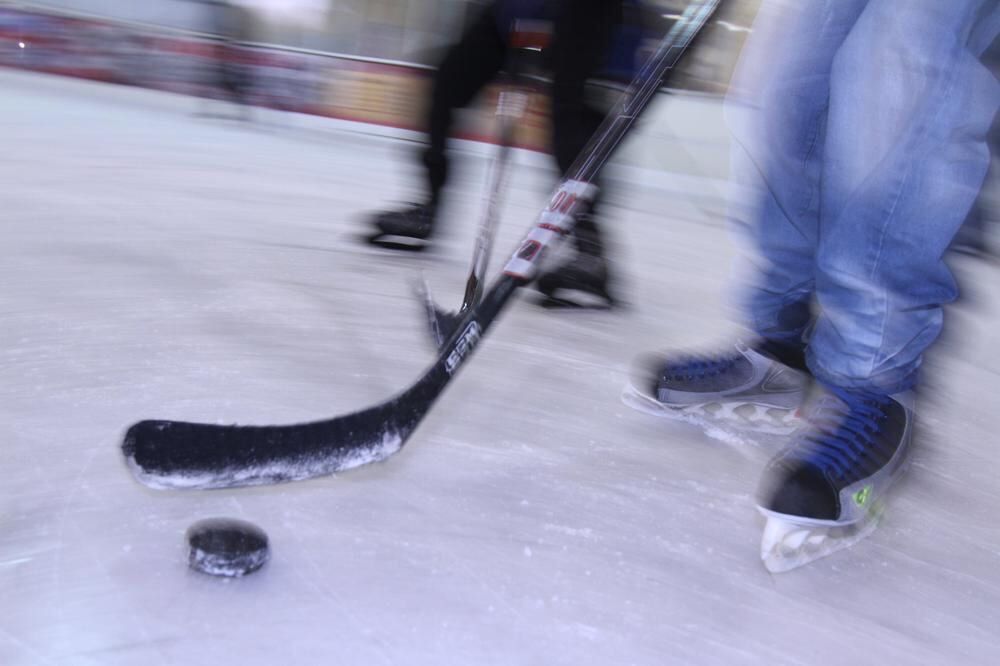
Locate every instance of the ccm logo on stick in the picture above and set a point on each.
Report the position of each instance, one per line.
(470, 336)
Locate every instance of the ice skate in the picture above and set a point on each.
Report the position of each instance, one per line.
(406, 229)
(581, 282)
(825, 491)
(746, 389)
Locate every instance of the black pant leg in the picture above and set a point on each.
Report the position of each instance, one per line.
(467, 67)
(583, 31)
(582, 36)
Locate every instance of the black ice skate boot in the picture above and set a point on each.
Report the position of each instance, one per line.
(408, 228)
(824, 492)
(582, 280)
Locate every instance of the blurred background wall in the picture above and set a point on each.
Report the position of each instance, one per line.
(412, 31)
(356, 60)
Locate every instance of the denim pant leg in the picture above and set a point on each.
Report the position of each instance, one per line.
(776, 112)
(905, 155)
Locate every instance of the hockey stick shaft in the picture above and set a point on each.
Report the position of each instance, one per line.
(575, 192)
(510, 108)
(513, 99)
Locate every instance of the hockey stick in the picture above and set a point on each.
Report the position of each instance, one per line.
(512, 103)
(510, 106)
(176, 454)
(526, 36)
(510, 109)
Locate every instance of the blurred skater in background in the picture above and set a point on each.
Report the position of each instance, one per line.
(860, 126)
(229, 75)
(582, 32)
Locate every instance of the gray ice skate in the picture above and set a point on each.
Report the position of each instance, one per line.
(748, 388)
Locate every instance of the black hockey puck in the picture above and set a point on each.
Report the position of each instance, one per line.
(227, 547)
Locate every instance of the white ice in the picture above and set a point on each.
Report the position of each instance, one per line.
(160, 265)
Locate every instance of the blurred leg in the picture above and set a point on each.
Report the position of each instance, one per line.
(973, 237)
(467, 67)
(582, 35)
(777, 113)
(904, 158)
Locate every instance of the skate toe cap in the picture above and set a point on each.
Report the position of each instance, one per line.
(801, 491)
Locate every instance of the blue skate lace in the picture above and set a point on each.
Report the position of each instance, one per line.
(843, 430)
(702, 366)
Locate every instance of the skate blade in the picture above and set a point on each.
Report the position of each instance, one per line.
(715, 418)
(390, 242)
(579, 301)
(787, 545)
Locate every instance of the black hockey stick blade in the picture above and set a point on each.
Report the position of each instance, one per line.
(177, 454)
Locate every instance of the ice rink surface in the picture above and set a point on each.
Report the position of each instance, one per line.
(161, 265)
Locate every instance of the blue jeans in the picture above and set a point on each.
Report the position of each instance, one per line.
(859, 128)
